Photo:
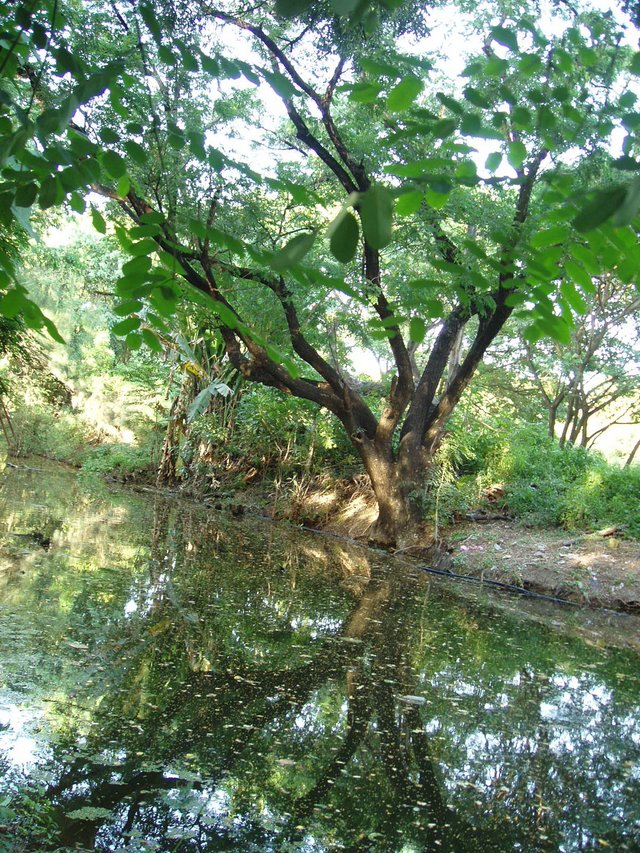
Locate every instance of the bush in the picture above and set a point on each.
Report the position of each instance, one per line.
(605, 495)
(121, 461)
(40, 431)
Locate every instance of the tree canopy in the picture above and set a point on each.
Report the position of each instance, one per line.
(391, 194)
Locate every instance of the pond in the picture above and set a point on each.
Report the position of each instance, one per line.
(174, 680)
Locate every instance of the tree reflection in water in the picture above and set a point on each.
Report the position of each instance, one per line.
(239, 687)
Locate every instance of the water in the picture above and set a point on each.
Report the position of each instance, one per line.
(172, 680)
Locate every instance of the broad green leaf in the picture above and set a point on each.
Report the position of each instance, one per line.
(344, 239)
(376, 213)
(634, 67)
(550, 237)
(379, 69)
(586, 257)
(12, 303)
(574, 298)
(404, 94)
(146, 246)
(133, 341)
(628, 210)
(435, 199)
(149, 17)
(280, 84)
(409, 203)
(49, 193)
(166, 55)
(114, 164)
(602, 206)
(507, 38)
(26, 195)
(125, 326)
(293, 252)
(365, 93)
(98, 221)
(123, 187)
(292, 8)
(517, 154)
(579, 274)
(417, 329)
(476, 98)
(493, 161)
(109, 136)
(130, 306)
(136, 152)
(529, 64)
(151, 340)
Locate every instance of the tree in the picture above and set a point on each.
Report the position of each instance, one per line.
(595, 371)
(372, 131)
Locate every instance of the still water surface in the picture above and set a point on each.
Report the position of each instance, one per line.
(172, 680)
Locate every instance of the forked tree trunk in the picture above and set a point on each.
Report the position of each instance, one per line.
(396, 483)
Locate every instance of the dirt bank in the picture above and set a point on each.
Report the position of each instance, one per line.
(595, 569)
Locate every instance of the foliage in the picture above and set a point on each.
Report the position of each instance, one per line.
(121, 461)
(606, 495)
(41, 431)
(273, 258)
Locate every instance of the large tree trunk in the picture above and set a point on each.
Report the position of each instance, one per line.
(397, 483)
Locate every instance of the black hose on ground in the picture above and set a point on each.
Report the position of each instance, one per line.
(496, 584)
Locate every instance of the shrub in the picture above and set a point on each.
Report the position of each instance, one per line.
(605, 495)
(121, 461)
(40, 431)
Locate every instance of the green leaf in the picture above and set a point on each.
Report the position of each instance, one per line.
(634, 67)
(98, 221)
(129, 306)
(507, 38)
(12, 303)
(435, 199)
(133, 341)
(493, 161)
(109, 136)
(517, 154)
(166, 55)
(77, 203)
(409, 203)
(404, 94)
(417, 329)
(123, 187)
(146, 246)
(376, 213)
(280, 84)
(149, 17)
(365, 93)
(579, 274)
(575, 299)
(379, 69)
(550, 237)
(292, 8)
(628, 210)
(152, 340)
(114, 164)
(344, 239)
(529, 64)
(293, 252)
(125, 326)
(50, 193)
(603, 204)
(443, 128)
(26, 194)
(136, 152)
(476, 98)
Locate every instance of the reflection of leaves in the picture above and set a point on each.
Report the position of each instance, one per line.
(89, 813)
